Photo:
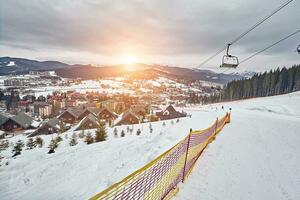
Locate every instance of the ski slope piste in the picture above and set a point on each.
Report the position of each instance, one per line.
(159, 178)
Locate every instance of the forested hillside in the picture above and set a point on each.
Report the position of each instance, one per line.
(270, 83)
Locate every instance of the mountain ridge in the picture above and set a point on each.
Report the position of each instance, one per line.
(11, 65)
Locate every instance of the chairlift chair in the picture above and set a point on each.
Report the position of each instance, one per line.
(229, 61)
(298, 49)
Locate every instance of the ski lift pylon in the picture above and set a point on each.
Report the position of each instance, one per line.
(229, 61)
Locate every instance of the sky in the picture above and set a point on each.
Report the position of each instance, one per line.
(169, 32)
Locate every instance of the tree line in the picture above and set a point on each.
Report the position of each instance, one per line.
(273, 82)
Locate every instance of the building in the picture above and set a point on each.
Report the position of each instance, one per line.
(14, 82)
(70, 115)
(49, 127)
(70, 103)
(127, 118)
(42, 109)
(88, 122)
(141, 110)
(112, 105)
(21, 121)
(169, 113)
(107, 115)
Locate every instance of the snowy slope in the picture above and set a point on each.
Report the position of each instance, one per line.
(80, 172)
(257, 156)
(254, 157)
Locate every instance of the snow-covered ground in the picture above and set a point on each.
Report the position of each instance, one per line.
(257, 156)
(81, 171)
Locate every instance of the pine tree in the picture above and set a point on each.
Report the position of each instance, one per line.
(73, 140)
(138, 132)
(177, 120)
(127, 129)
(172, 122)
(89, 138)
(115, 132)
(122, 133)
(30, 144)
(101, 134)
(274, 82)
(164, 123)
(53, 145)
(62, 127)
(39, 142)
(4, 144)
(18, 147)
(81, 134)
(59, 139)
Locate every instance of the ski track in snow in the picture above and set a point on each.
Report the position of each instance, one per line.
(256, 156)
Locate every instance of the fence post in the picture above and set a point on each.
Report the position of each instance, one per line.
(186, 155)
(228, 116)
(216, 127)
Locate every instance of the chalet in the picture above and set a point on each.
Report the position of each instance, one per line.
(128, 118)
(141, 110)
(86, 111)
(48, 127)
(70, 115)
(20, 121)
(107, 115)
(88, 122)
(169, 113)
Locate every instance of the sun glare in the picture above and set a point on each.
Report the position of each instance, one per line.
(129, 61)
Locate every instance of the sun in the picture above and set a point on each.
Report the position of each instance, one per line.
(129, 59)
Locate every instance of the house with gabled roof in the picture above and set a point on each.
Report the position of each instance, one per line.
(70, 115)
(169, 113)
(17, 122)
(106, 114)
(86, 111)
(128, 117)
(88, 122)
(140, 109)
(48, 127)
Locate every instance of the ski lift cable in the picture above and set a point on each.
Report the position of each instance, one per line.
(246, 32)
(270, 46)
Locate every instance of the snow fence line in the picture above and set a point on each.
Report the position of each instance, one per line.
(159, 178)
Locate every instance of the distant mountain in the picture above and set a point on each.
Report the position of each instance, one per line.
(201, 74)
(245, 74)
(10, 65)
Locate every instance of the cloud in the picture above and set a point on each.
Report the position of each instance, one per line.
(170, 28)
